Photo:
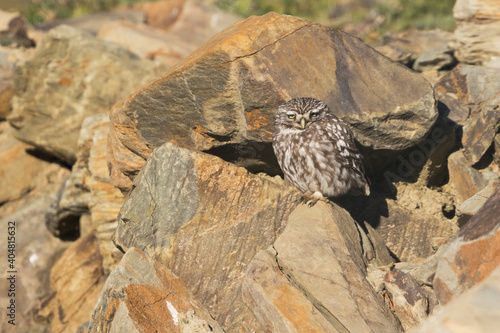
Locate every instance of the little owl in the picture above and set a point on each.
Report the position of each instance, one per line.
(317, 152)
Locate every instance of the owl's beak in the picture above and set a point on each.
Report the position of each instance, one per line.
(303, 123)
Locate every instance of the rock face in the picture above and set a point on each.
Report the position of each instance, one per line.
(317, 267)
(141, 295)
(477, 310)
(183, 202)
(476, 34)
(71, 75)
(223, 97)
(472, 255)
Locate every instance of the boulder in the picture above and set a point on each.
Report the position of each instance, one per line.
(205, 219)
(313, 277)
(471, 206)
(438, 57)
(71, 75)
(476, 34)
(222, 99)
(76, 280)
(477, 310)
(472, 255)
(141, 295)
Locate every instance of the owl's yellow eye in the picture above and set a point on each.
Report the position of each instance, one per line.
(314, 114)
(291, 116)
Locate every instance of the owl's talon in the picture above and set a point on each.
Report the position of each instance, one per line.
(310, 199)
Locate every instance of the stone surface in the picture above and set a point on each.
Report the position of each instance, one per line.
(472, 255)
(476, 32)
(412, 42)
(205, 219)
(36, 251)
(477, 310)
(313, 278)
(408, 299)
(161, 14)
(470, 206)
(141, 295)
(465, 181)
(71, 75)
(222, 98)
(438, 57)
(76, 280)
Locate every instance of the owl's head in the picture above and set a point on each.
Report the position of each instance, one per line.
(299, 113)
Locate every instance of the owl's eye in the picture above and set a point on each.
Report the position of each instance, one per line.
(314, 114)
(291, 115)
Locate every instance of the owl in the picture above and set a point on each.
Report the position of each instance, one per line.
(317, 152)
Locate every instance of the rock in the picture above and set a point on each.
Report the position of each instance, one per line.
(36, 251)
(477, 310)
(141, 295)
(313, 278)
(438, 57)
(92, 23)
(465, 181)
(476, 36)
(472, 255)
(89, 190)
(397, 54)
(496, 144)
(470, 206)
(23, 174)
(408, 298)
(161, 14)
(13, 30)
(479, 133)
(71, 75)
(205, 219)
(76, 280)
(223, 98)
(413, 42)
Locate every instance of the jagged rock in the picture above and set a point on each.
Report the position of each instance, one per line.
(476, 33)
(313, 277)
(71, 75)
(92, 23)
(36, 251)
(141, 295)
(76, 280)
(465, 181)
(438, 57)
(470, 206)
(477, 310)
(472, 255)
(205, 219)
(408, 299)
(223, 98)
(89, 190)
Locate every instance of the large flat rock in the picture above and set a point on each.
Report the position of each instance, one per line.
(222, 98)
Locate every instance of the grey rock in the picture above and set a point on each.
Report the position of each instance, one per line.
(470, 206)
(205, 219)
(438, 57)
(71, 75)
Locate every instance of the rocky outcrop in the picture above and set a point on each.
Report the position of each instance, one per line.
(476, 34)
(72, 75)
(141, 295)
(472, 255)
(223, 97)
(317, 266)
(183, 202)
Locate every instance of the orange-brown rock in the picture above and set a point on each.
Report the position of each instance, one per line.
(142, 295)
(472, 255)
(76, 280)
(205, 219)
(222, 98)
